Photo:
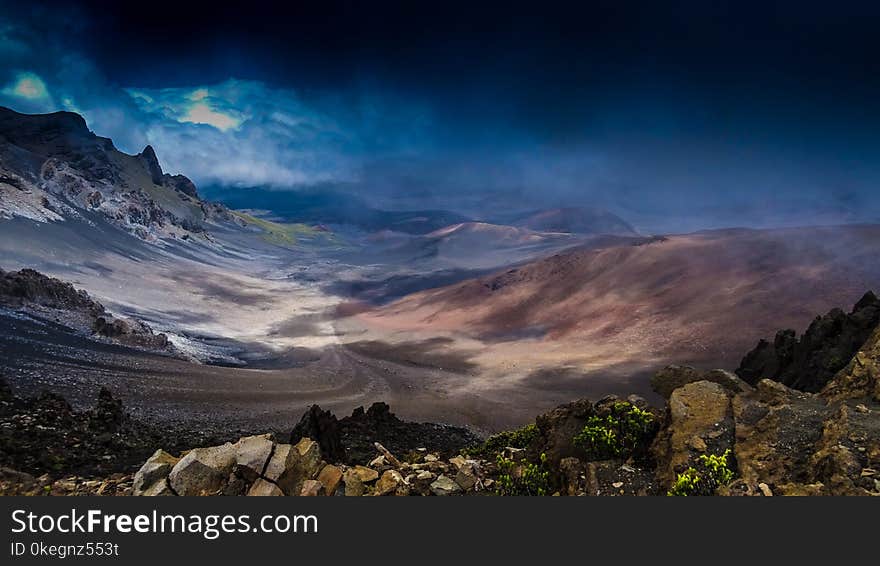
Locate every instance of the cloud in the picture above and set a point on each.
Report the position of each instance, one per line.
(233, 132)
(28, 86)
(243, 133)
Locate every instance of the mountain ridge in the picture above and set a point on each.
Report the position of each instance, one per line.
(53, 168)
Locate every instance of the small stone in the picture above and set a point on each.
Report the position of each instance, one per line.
(617, 484)
(330, 477)
(425, 475)
(444, 486)
(458, 462)
(765, 489)
(697, 444)
(263, 488)
(378, 462)
(312, 488)
(431, 458)
(354, 487)
(466, 477)
(389, 482)
(365, 474)
(860, 408)
(310, 457)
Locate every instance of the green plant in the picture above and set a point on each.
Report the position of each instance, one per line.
(616, 434)
(522, 478)
(715, 472)
(519, 438)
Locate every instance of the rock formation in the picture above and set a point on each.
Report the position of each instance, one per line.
(810, 362)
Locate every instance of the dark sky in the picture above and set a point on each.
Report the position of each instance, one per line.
(674, 114)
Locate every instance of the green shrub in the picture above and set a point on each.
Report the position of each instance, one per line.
(617, 434)
(714, 472)
(519, 438)
(522, 478)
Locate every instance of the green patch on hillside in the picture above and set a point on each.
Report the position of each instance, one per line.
(288, 235)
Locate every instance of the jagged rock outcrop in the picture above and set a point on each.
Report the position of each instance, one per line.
(29, 291)
(323, 427)
(363, 428)
(810, 362)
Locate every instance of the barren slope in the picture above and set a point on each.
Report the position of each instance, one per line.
(705, 296)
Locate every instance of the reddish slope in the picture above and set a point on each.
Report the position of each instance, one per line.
(701, 296)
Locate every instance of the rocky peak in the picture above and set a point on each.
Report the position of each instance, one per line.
(151, 162)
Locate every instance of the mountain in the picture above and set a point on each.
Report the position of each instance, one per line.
(706, 296)
(575, 220)
(328, 205)
(53, 168)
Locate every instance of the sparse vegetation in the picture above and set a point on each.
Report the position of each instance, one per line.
(281, 234)
(617, 434)
(519, 438)
(715, 472)
(522, 478)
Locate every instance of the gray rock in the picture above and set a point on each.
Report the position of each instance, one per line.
(251, 455)
(156, 468)
(159, 489)
(444, 486)
(466, 477)
(203, 471)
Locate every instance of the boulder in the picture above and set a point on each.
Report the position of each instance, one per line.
(290, 466)
(330, 477)
(389, 482)
(467, 476)
(558, 428)
(154, 470)
(699, 421)
(281, 459)
(670, 378)
(252, 455)
(310, 457)
(354, 487)
(203, 471)
(159, 489)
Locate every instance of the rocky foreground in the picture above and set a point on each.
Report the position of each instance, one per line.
(718, 434)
